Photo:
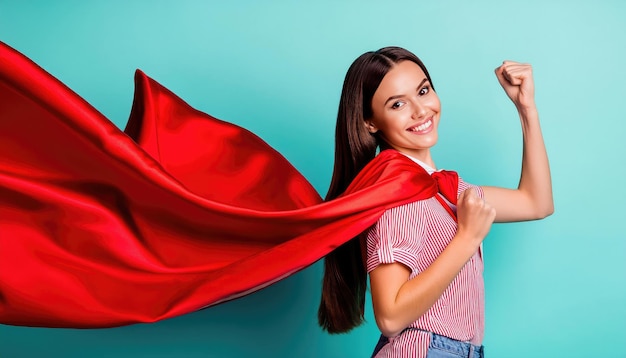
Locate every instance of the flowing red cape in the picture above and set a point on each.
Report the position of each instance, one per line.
(101, 227)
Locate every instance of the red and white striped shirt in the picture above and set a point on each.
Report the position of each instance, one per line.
(415, 234)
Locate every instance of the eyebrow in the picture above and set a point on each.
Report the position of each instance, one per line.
(401, 95)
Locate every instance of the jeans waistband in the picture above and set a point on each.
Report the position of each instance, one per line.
(463, 349)
(439, 342)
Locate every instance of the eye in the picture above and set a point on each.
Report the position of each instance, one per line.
(424, 90)
(397, 104)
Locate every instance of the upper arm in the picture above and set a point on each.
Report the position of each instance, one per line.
(385, 283)
(511, 204)
(392, 246)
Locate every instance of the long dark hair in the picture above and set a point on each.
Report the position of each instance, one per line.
(345, 279)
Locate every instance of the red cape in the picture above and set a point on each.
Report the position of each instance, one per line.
(101, 228)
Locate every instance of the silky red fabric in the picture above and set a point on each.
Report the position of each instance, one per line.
(101, 227)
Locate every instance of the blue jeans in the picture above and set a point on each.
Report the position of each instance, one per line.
(442, 347)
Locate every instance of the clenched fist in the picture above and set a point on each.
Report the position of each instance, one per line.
(475, 216)
(517, 81)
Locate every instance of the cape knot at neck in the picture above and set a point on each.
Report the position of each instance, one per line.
(447, 184)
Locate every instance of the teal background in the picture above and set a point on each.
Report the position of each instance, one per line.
(555, 288)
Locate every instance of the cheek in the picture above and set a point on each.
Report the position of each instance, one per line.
(435, 104)
(383, 122)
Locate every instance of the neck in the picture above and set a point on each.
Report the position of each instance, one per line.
(423, 156)
(428, 160)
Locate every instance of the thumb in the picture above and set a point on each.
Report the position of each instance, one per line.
(504, 82)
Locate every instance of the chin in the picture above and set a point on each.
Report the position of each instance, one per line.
(430, 141)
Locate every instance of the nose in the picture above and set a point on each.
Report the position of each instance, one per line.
(419, 109)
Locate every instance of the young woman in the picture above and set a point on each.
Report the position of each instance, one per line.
(104, 228)
(424, 258)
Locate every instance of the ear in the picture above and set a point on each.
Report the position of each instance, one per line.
(371, 127)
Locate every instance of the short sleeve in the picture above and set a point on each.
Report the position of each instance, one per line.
(394, 238)
(464, 186)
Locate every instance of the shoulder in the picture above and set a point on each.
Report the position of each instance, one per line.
(395, 237)
(463, 185)
(399, 215)
(401, 222)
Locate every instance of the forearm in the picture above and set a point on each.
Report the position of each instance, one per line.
(535, 180)
(415, 296)
(533, 197)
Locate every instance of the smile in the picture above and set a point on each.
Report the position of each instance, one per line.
(424, 127)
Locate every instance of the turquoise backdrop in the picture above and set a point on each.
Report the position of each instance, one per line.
(555, 288)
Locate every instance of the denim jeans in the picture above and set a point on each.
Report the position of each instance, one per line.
(442, 347)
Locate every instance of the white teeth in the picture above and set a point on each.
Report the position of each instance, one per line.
(422, 127)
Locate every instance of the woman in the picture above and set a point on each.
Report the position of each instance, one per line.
(104, 228)
(424, 258)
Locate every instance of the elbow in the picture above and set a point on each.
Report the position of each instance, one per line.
(544, 211)
(389, 327)
(549, 211)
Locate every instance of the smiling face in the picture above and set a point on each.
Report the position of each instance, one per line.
(406, 111)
